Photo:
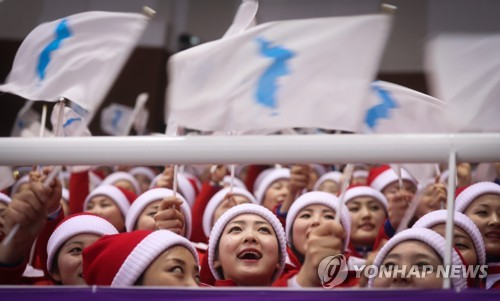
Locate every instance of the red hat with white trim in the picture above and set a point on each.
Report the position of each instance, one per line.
(381, 176)
(119, 260)
(76, 224)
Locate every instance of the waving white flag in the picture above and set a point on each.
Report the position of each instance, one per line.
(298, 73)
(77, 57)
(398, 109)
(465, 73)
(118, 119)
(73, 124)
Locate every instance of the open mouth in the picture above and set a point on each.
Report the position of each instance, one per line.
(249, 255)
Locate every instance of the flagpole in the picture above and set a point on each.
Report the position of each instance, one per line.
(59, 126)
(452, 168)
(16, 227)
(347, 179)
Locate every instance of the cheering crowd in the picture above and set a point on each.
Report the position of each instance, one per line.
(267, 226)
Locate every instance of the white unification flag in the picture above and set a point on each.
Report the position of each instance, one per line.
(465, 72)
(297, 73)
(24, 119)
(73, 124)
(397, 109)
(77, 57)
(117, 119)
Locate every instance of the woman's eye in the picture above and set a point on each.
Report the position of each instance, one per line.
(104, 205)
(177, 270)
(375, 208)
(389, 265)
(265, 230)
(353, 209)
(329, 216)
(305, 215)
(481, 213)
(75, 250)
(461, 246)
(234, 229)
(422, 264)
(152, 213)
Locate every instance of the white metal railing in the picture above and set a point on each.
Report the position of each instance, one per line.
(158, 150)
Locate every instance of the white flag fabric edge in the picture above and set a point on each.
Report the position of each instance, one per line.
(77, 57)
(114, 119)
(396, 109)
(73, 123)
(212, 85)
(465, 72)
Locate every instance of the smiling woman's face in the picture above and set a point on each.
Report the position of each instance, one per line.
(406, 256)
(484, 211)
(307, 219)
(367, 216)
(248, 251)
(69, 259)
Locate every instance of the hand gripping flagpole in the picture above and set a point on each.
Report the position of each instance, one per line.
(55, 171)
(15, 229)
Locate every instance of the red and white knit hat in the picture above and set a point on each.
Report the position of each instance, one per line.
(185, 188)
(271, 176)
(142, 170)
(430, 238)
(335, 176)
(119, 260)
(76, 224)
(237, 210)
(150, 196)
(357, 191)
(216, 200)
(439, 217)
(121, 175)
(360, 173)
(317, 198)
(5, 198)
(113, 192)
(469, 194)
(381, 176)
(236, 182)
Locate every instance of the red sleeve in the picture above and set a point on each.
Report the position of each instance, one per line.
(287, 274)
(78, 191)
(205, 273)
(40, 259)
(252, 174)
(206, 193)
(13, 275)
